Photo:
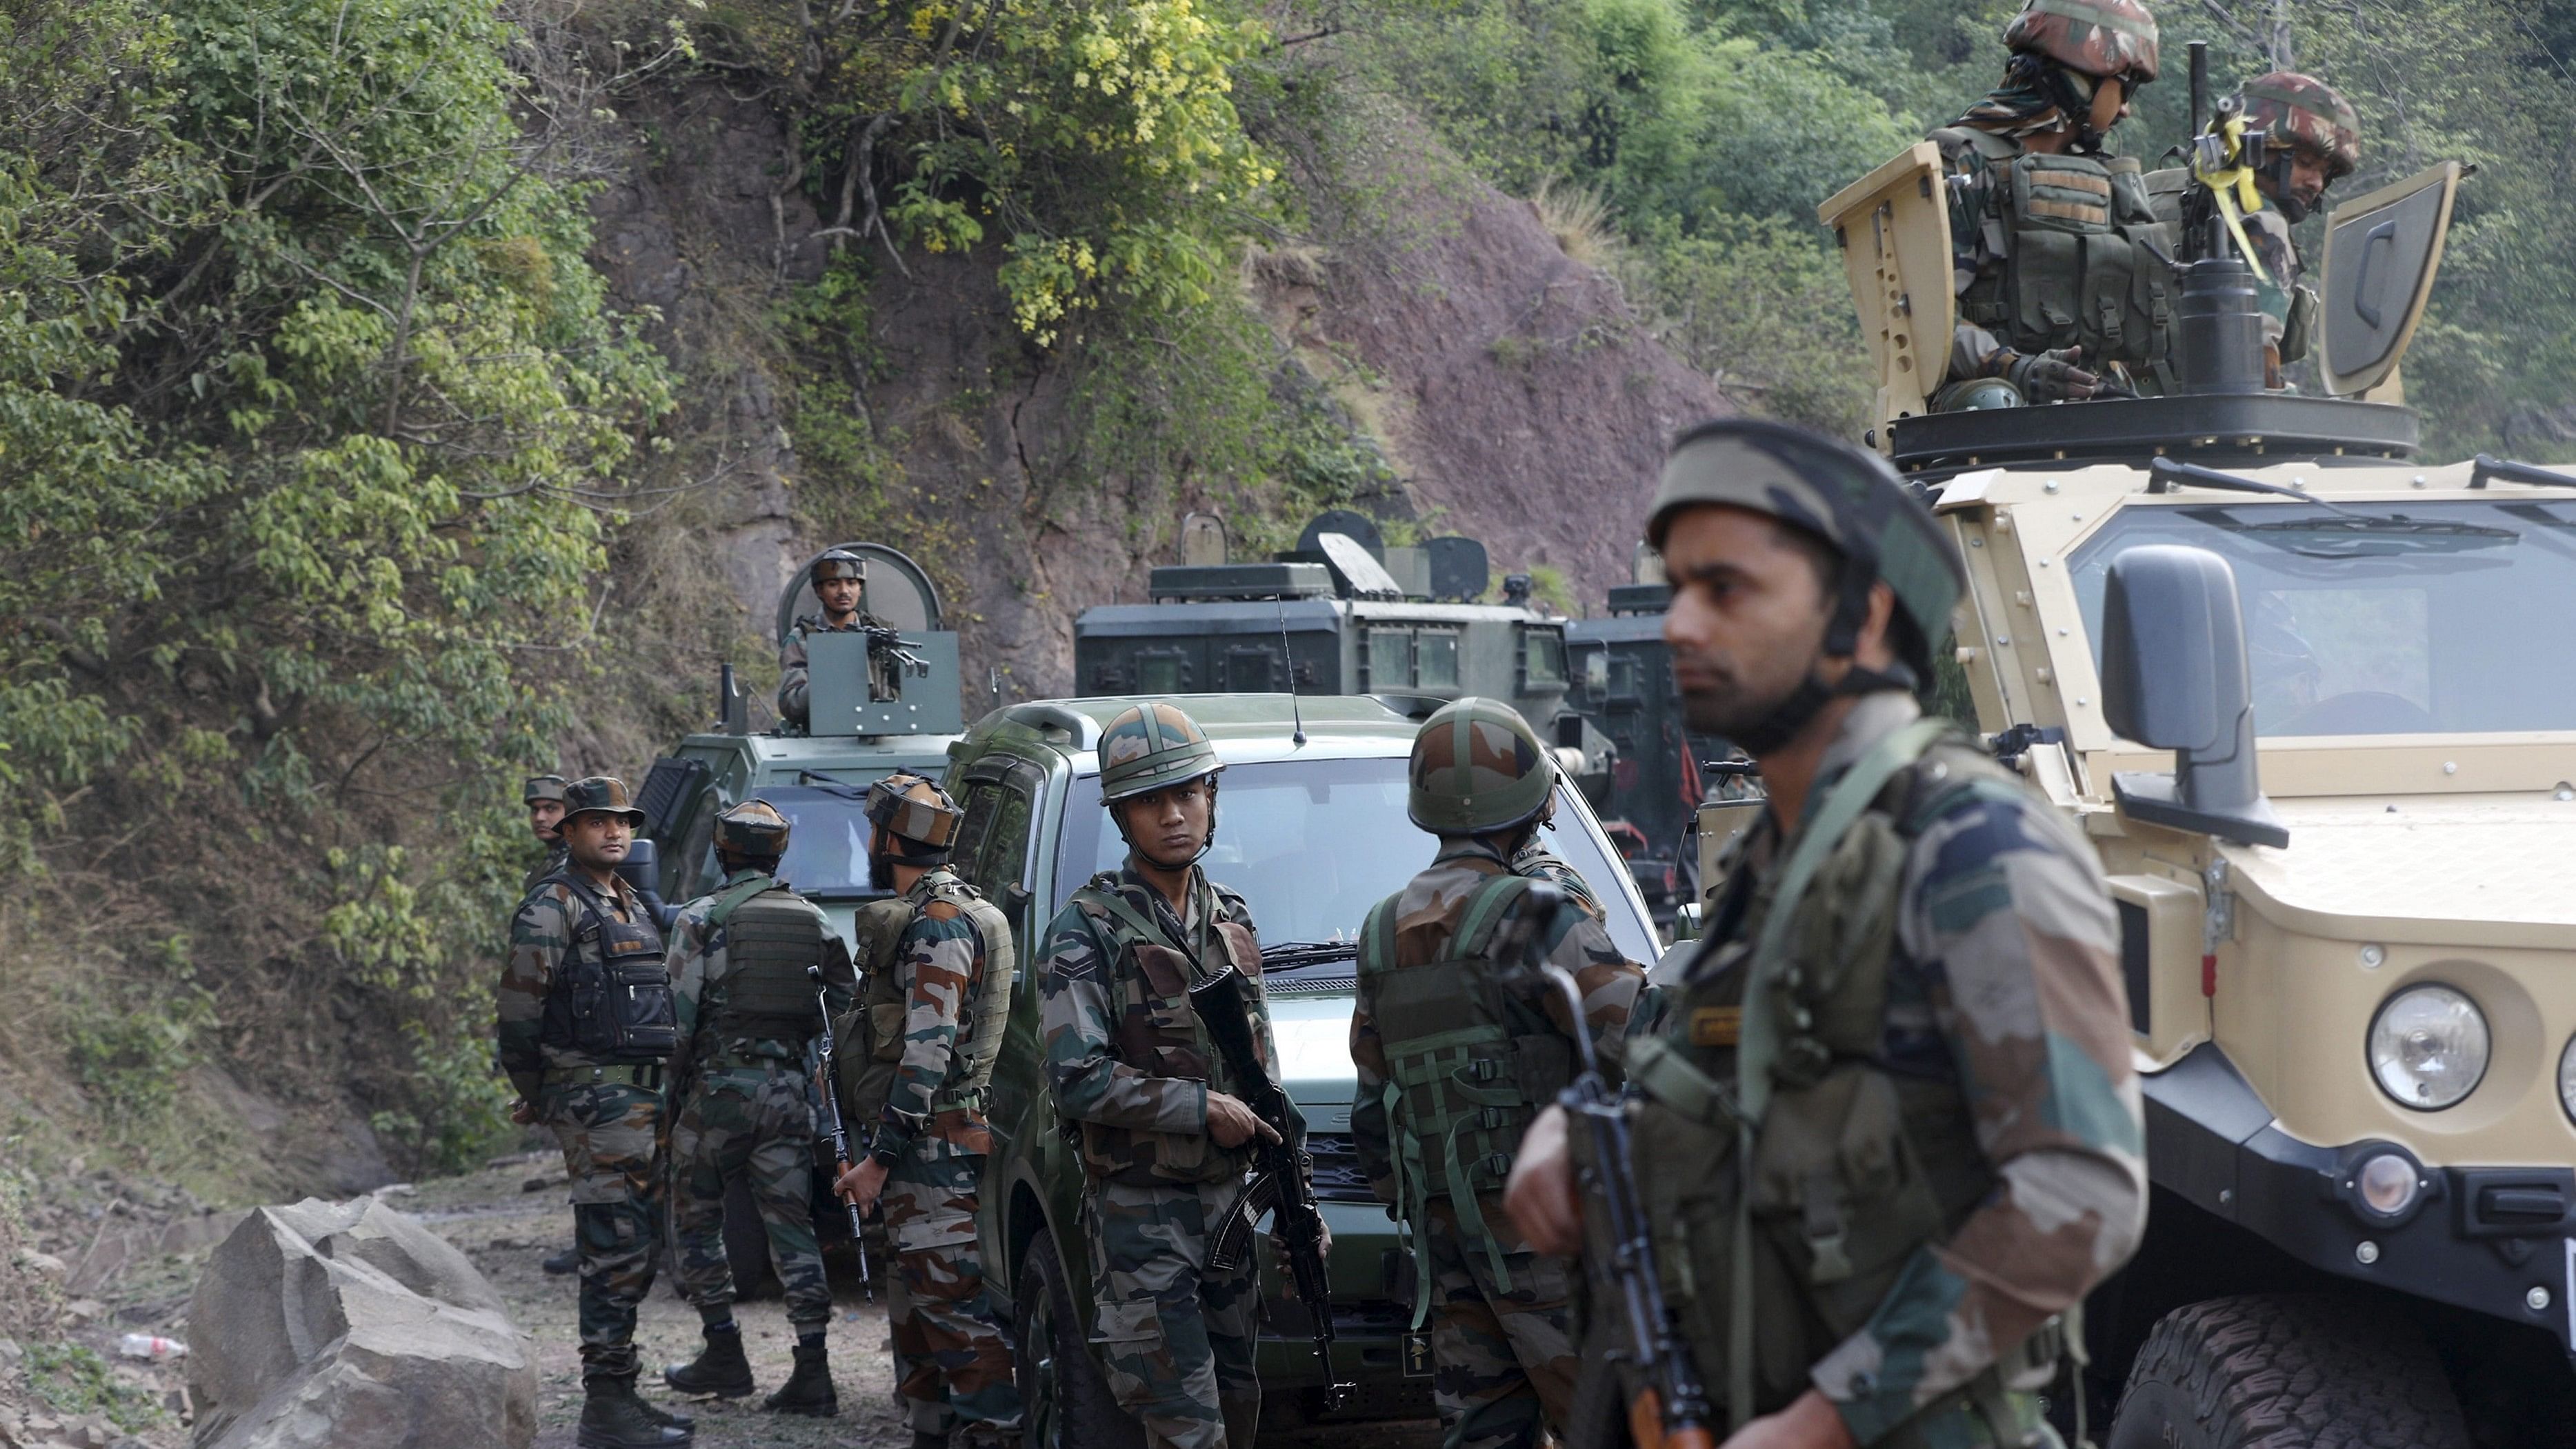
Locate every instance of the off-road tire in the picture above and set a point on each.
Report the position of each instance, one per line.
(2287, 1372)
(1062, 1390)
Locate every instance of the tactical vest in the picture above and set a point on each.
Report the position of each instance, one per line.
(1853, 1167)
(609, 999)
(2082, 257)
(1467, 1068)
(771, 937)
(981, 1019)
(1159, 1034)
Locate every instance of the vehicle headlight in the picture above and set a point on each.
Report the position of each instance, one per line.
(2429, 1047)
(2567, 1077)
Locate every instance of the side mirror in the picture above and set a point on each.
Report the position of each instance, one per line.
(2175, 677)
(642, 867)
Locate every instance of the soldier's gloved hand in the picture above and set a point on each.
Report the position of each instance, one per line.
(1233, 1124)
(2053, 376)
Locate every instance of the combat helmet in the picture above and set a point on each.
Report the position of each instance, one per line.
(2300, 110)
(2098, 38)
(1477, 768)
(753, 828)
(1852, 502)
(1153, 746)
(839, 563)
(915, 811)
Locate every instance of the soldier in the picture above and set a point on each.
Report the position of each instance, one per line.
(935, 1023)
(1165, 1143)
(840, 586)
(2056, 249)
(1452, 1066)
(747, 1016)
(544, 797)
(2313, 140)
(1906, 1014)
(584, 1026)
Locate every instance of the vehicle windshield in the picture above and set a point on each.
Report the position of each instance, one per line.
(1312, 844)
(827, 844)
(2439, 617)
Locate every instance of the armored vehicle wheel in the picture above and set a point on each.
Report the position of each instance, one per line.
(2278, 1372)
(1062, 1391)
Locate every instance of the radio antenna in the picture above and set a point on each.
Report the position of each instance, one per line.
(1288, 661)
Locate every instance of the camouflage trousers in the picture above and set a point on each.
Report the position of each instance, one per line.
(952, 1357)
(755, 1123)
(609, 1132)
(1175, 1335)
(1503, 1359)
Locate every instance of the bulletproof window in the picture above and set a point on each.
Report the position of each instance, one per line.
(1251, 669)
(1542, 657)
(1435, 659)
(1390, 659)
(1162, 671)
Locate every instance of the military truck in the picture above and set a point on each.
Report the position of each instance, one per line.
(1312, 829)
(2315, 704)
(1342, 613)
(817, 776)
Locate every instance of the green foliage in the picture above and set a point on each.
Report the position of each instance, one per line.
(457, 1112)
(311, 406)
(72, 1379)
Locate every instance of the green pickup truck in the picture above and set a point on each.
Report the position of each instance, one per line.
(1312, 834)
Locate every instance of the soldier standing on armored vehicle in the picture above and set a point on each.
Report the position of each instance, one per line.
(2312, 140)
(1906, 1015)
(1165, 1144)
(746, 1012)
(934, 1025)
(840, 586)
(1451, 1067)
(2056, 252)
(584, 1025)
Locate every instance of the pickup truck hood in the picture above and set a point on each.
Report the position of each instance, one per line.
(2438, 871)
(1313, 1029)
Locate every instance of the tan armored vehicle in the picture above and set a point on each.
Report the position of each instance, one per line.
(2316, 704)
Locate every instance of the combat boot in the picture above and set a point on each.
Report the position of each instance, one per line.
(612, 1417)
(808, 1390)
(567, 1261)
(720, 1368)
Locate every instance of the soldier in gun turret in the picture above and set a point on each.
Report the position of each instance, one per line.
(1166, 1136)
(1452, 1066)
(746, 1012)
(1895, 1127)
(934, 1025)
(840, 580)
(2057, 256)
(2312, 140)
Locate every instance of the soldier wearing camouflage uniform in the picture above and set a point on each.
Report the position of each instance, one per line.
(934, 1025)
(1165, 1140)
(1535, 860)
(744, 998)
(584, 1026)
(840, 580)
(1452, 1066)
(2313, 140)
(2055, 246)
(544, 797)
(1906, 1015)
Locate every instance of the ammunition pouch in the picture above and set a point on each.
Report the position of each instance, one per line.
(2078, 258)
(868, 1042)
(1160, 1035)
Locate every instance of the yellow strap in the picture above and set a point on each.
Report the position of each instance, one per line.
(2233, 187)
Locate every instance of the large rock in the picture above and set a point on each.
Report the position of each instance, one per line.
(324, 1325)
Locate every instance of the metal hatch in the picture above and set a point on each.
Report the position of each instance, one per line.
(2382, 250)
(1893, 226)
(899, 591)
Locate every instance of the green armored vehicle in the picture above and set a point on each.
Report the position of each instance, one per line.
(817, 777)
(1312, 831)
(2315, 703)
(1342, 613)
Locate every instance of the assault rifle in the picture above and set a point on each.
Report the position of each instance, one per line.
(839, 1131)
(1672, 1410)
(1282, 1180)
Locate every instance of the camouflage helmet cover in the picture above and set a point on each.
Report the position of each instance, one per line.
(1848, 498)
(1153, 746)
(915, 808)
(2301, 110)
(840, 563)
(543, 787)
(1477, 767)
(2095, 37)
(753, 827)
(602, 794)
